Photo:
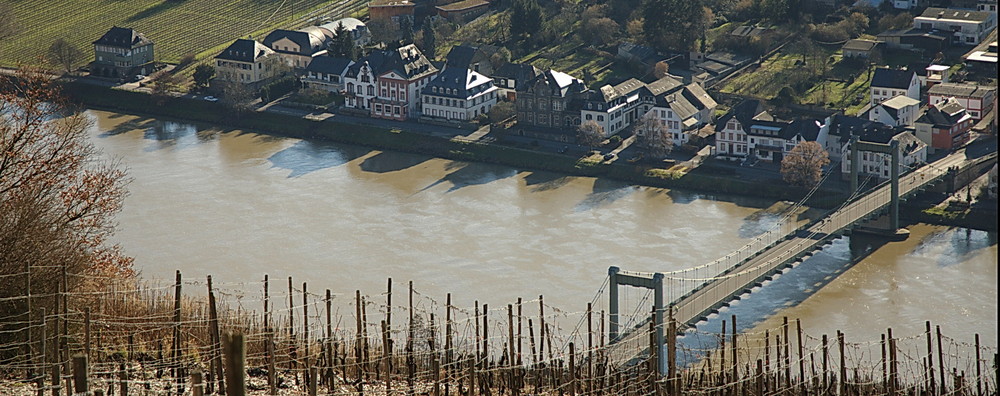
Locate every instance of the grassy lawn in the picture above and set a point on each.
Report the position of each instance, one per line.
(177, 27)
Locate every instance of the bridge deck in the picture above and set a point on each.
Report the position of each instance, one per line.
(796, 244)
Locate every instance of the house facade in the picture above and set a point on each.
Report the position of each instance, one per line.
(122, 53)
(246, 62)
(509, 77)
(945, 126)
(749, 133)
(298, 47)
(897, 111)
(458, 94)
(614, 108)
(967, 27)
(912, 152)
(889, 83)
(684, 110)
(976, 99)
(391, 11)
(326, 73)
(387, 83)
(552, 101)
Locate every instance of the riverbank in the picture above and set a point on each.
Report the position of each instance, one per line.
(707, 180)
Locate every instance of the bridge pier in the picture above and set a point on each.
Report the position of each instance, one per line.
(655, 282)
(892, 229)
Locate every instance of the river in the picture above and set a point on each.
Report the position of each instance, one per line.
(238, 205)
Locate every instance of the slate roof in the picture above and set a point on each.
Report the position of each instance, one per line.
(328, 65)
(464, 56)
(519, 72)
(953, 14)
(461, 83)
(847, 126)
(244, 50)
(123, 38)
(892, 78)
(860, 45)
(406, 61)
(309, 43)
(560, 82)
(744, 112)
(944, 115)
(961, 90)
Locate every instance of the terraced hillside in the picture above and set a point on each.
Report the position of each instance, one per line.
(178, 27)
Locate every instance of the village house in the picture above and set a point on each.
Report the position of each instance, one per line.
(509, 77)
(843, 127)
(548, 106)
(683, 109)
(747, 132)
(935, 74)
(469, 57)
(912, 152)
(967, 27)
(298, 47)
(458, 94)
(945, 126)
(462, 11)
(982, 60)
(858, 48)
(122, 53)
(976, 99)
(391, 11)
(889, 83)
(246, 62)
(387, 83)
(614, 108)
(898, 111)
(915, 39)
(326, 73)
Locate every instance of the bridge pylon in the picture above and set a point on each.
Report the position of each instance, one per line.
(654, 282)
(892, 149)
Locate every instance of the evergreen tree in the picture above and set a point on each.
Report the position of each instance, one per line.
(406, 28)
(525, 19)
(342, 44)
(674, 24)
(429, 44)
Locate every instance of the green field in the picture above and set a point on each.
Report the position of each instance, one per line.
(178, 27)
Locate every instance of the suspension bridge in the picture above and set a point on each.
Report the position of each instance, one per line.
(694, 293)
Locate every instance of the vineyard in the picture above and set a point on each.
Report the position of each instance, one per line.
(113, 336)
(177, 27)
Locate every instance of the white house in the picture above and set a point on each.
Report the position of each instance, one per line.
(748, 132)
(898, 111)
(388, 83)
(246, 62)
(682, 110)
(458, 93)
(913, 152)
(614, 108)
(968, 27)
(326, 73)
(299, 47)
(889, 83)
(976, 99)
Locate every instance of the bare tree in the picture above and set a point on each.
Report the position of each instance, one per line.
(590, 133)
(238, 98)
(803, 166)
(653, 136)
(62, 53)
(58, 201)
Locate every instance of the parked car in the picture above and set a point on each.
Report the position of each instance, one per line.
(608, 156)
(211, 98)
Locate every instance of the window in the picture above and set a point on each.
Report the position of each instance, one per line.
(365, 78)
(589, 117)
(600, 118)
(371, 90)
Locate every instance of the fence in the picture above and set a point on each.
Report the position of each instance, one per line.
(147, 337)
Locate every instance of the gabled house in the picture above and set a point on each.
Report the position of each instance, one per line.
(551, 101)
(391, 11)
(966, 27)
(326, 73)
(912, 151)
(469, 57)
(614, 108)
(749, 132)
(122, 53)
(387, 83)
(842, 127)
(458, 94)
(945, 126)
(976, 99)
(889, 83)
(246, 62)
(684, 110)
(509, 77)
(299, 47)
(858, 48)
(898, 111)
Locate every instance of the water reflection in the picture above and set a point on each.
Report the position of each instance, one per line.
(305, 156)
(953, 246)
(164, 134)
(604, 193)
